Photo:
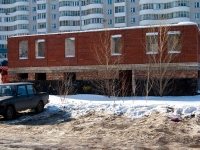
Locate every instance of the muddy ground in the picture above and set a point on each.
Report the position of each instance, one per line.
(99, 131)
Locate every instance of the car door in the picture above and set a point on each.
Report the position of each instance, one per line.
(23, 99)
(32, 95)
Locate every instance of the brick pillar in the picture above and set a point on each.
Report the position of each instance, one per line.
(31, 76)
(12, 77)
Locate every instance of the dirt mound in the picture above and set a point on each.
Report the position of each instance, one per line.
(102, 131)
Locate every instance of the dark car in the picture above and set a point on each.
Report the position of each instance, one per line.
(20, 96)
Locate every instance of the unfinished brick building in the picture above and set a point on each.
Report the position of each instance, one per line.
(48, 57)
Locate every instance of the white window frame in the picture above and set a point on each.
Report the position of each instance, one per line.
(37, 49)
(67, 50)
(152, 45)
(174, 33)
(113, 52)
(23, 49)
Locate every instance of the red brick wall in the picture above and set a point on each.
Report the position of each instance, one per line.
(133, 49)
(55, 76)
(13, 77)
(96, 75)
(173, 74)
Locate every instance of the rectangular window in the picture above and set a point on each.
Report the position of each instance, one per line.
(34, 17)
(116, 44)
(40, 48)
(34, 27)
(109, 1)
(119, 9)
(133, 9)
(120, 19)
(70, 47)
(23, 50)
(42, 16)
(196, 4)
(21, 90)
(132, 1)
(152, 43)
(53, 16)
(132, 20)
(31, 89)
(110, 21)
(53, 7)
(41, 25)
(109, 11)
(33, 8)
(197, 15)
(53, 26)
(174, 42)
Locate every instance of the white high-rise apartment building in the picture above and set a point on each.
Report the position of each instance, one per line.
(24, 17)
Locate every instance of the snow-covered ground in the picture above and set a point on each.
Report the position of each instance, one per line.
(133, 107)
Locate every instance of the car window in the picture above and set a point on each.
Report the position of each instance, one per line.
(21, 89)
(30, 89)
(6, 90)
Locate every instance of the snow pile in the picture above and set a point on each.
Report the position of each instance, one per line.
(133, 107)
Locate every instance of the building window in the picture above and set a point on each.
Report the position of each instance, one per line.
(34, 17)
(23, 50)
(174, 42)
(53, 16)
(70, 47)
(152, 43)
(42, 16)
(110, 21)
(132, 1)
(133, 9)
(53, 26)
(40, 48)
(119, 9)
(41, 25)
(33, 8)
(116, 44)
(109, 1)
(109, 11)
(53, 7)
(197, 15)
(41, 6)
(34, 27)
(132, 20)
(196, 4)
(120, 19)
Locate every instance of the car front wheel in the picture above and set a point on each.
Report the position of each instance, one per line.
(9, 113)
(40, 107)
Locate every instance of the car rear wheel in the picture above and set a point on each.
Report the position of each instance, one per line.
(9, 113)
(40, 107)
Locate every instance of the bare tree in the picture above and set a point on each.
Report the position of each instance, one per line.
(162, 47)
(65, 86)
(108, 54)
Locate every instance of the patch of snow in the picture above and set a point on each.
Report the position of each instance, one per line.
(133, 107)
